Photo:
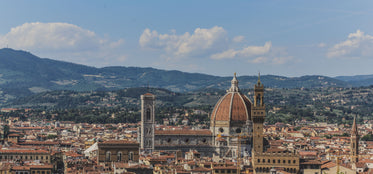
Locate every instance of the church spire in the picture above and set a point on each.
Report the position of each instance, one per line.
(234, 84)
(259, 78)
(354, 143)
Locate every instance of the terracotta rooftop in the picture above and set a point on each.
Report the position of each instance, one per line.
(119, 142)
(23, 151)
(183, 132)
(233, 106)
(39, 143)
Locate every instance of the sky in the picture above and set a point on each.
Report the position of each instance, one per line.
(287, 38)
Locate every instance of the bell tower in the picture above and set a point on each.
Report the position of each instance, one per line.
(354, 143)
(147, 122)
(258, 116)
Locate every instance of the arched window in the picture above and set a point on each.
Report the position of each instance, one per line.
(148, 114)
(258, 100)
(108, 156)
(119, 156)
(130, 156)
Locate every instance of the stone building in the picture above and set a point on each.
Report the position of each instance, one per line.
(185, 140)
(117, 151)
(230, 129)
(236, 132)
(25, 155)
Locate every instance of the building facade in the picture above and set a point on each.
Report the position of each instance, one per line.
(236, 132)
(117, 151)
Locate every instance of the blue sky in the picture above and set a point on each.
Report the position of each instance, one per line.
(290, 38)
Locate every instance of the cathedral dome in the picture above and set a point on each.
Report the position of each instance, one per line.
(233, 106)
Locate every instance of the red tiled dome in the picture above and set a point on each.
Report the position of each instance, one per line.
(233, 106)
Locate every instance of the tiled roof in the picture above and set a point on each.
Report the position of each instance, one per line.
(39, 143)
(201, 169)
(118, 142)
(233, 106)
(183, 132)
(328, 165)
(23, 151)
(307, 153)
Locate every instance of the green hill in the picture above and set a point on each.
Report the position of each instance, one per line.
(23, 74)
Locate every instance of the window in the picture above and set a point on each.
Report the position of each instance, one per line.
(269, 161)
(148, 114)
(258, 100)
(294, 161)
(221, 130)
(130, 156)
(258, 160)
(108, 156)
(274, 161)
(289, 161)
(284, 161)
(279, 161)
(119, 156)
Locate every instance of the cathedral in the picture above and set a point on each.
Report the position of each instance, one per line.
(236, 131)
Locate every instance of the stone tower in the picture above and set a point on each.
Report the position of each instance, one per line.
(258, 116)
(354, 144)
(147, 122)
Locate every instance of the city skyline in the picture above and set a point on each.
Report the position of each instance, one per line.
(214, 37)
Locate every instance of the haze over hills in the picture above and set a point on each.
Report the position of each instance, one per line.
(22, 74)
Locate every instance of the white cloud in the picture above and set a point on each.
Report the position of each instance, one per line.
(245, 52)
(201, 41)
(357, 44)
(238, 39)
(281, 60)
(60, 39)
(212, 43)
(259, 60)
(321, 45)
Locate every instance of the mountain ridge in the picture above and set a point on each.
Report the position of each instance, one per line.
(22, 74)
